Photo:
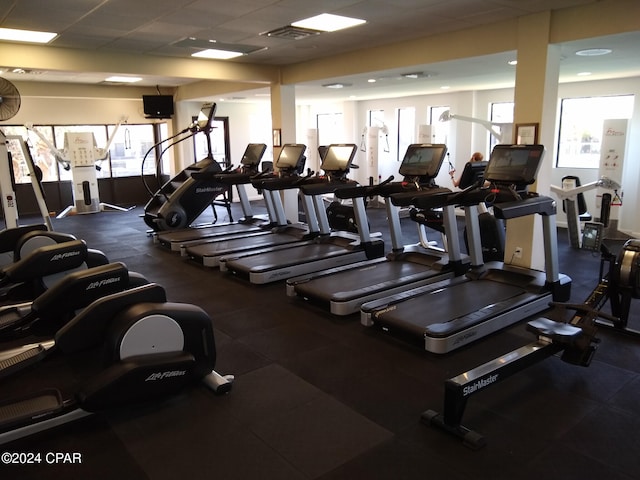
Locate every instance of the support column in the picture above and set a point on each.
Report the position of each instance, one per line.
(535, 97)
(283, 118)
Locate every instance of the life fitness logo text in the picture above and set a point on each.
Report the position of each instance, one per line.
(102, 283)
(613, 133)
(62, 256)
(168, 374)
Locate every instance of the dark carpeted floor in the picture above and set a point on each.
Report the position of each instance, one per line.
(322, 397)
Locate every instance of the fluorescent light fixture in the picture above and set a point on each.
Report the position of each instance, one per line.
(327, 22)
(336, 85)
(583, 74)
(372, 80)
(593, 52)
(119, 79)
(512, 62)
(32, 36)
(217, 54)
(445, 87)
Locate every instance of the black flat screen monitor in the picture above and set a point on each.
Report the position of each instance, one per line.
(290, 156)
(206, 116)
(157, 106)
(338, 157)
(472, 173)
(514, 164)
(253, 154)
(423, 160)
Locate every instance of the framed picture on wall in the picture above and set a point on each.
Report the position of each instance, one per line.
(527, 133)
(277, 141)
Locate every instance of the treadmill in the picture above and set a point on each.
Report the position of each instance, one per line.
(249, 223)
(329, 249)
(449, 314)
(290, 162)
(343, 290)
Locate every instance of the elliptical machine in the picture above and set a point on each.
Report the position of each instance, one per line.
(152, 349)
(181, 200)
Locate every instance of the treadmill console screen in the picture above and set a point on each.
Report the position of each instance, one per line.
(422, 160)
(205, 117)
(472, 173)
(338, 157)
(290, 156)
(514, 164)
(253, 154)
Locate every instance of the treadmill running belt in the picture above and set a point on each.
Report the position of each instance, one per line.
(284, 258)
(240, 244)
(205, 232)
(448, 310)
(357, 282)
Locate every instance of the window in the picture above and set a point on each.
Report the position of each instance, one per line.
(219, 138)
(329, 128)
(128, 148)
(581, 127)
(376, 118)
(42, 155)
(500, 113)
(440, 130)
(406, 129)
(125, 153)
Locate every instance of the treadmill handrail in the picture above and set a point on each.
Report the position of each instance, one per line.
(362, 190)
(541, 205)
(327, 186)
(406, 199)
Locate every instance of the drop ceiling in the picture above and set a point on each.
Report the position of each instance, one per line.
(173, 28)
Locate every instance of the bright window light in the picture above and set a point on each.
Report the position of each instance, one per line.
(117, 79)
(217, 54)
(15, 35)
(326, 22)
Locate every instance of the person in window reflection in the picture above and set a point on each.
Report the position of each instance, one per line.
(476, 157)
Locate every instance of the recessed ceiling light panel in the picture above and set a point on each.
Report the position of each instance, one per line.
(336, 85)
(327, 22)
(217, 54)
(121, 79)
(593, 52)
(30, 36)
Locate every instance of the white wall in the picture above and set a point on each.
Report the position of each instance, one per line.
(465, 137)
(251, 123)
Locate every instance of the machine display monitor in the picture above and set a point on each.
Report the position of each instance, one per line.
(206, 116)
(290, 156)
(338, 157)
(592, 236)
(472, 173)
(322, 151)
(423, 160)
(514, 164)
(253, 154)
(157, 106)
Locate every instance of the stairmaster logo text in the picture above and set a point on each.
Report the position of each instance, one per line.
(103, 283)
(163, 375)
(480, 384)
(62, 256)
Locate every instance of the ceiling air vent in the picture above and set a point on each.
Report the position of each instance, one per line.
(291, 33)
